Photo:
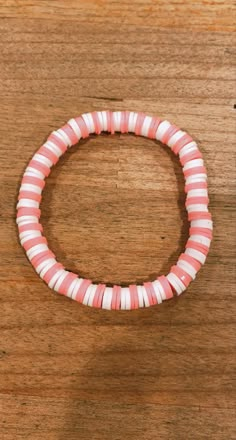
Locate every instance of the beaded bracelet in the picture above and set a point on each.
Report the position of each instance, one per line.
(83, 290)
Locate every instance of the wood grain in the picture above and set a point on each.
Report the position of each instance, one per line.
(113, 210)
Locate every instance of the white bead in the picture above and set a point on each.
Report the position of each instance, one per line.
(188, 148)
(32, 188)
(34, 173)
(145, 297)
(162, 129)
(146, 125)
(24, 219)
(160, 288)
(204, 223)
(197, 208)
(187, 267)
(201, 177)
(60, 280)
(199, 256)
(197, 193)
(30, 237)
(100, 120)
(176, 283)
(73, 124)
(156, 286)
(127, 298)
(193, 164)
(53, 147)
(35, 250)
(122, 299)
(29, 232)
(91, 296)
(77, 285)
(42, 159)
(60, 134)
(117, 120)
(104, 120)
(29, 173)
(54, 279)
(65, 136)
(132, 121)
(201, 239)
(175, 137)
(107, 298)
(91, 122)
(88, 119)
(90, 290)
(71, 287)
(27, 203)
(140, 296)
(44, 263)
(179, 282)
(43, 267)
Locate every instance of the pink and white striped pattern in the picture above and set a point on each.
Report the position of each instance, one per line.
(83, 290)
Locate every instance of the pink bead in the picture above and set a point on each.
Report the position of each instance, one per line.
(110, 122)
(196, 185)
(182, 275)
(197, 246)
(52, 271)
(96, 122)
(28, 211)
(40, 257)
(201, 231)
(117, 297)
(33, 242)
(153, 128)
(29, 227)
(33, 181)
(64, 287)
(124, 122)
(184, 140)
(113, 300)
(29, 195)
(169, 133)
(97, 301)
(199, 216)
(58, 142)
(108, 113)
(82, 126)
(134, 296)
(82, 290)
(190, 156)
(70, 133)
(139, 123)
(150, 293)
(194, 170)
(44, 151)
(166, 286)
(190, 260)
(197, 200)
(40, 167)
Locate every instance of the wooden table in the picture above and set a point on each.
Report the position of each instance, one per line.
(113, 210)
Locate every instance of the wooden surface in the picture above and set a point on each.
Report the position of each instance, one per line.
(113, 210)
